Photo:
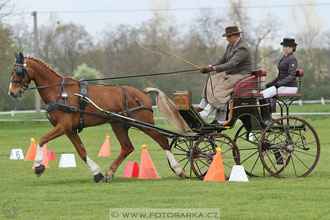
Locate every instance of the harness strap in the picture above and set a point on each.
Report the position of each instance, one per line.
(61, 106)
(82, 103)
(128, 110)
(136, 108)
(126, 100)
(83, 100)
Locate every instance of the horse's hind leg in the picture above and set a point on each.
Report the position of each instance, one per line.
(121, 132)
(163, 142)
(94, 168)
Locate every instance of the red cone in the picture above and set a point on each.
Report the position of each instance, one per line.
(216, 171)
(31, 154)
(131, 170)
(147, 167)
(105, 149)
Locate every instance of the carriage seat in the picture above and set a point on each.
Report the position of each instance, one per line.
(249, 87)
(299, 74)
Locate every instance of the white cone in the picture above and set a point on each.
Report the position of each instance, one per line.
(238, 174)
(67, 160)
(16, 154)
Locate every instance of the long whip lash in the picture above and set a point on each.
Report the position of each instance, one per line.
(166, 51)
(178, 57)
(147, 49)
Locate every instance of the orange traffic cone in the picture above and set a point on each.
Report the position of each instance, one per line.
(44, 157)
(105, 149)
(128, 155)
(31, 154)
(216, 172)
(147, 167)
(51, 155)
(131, 170)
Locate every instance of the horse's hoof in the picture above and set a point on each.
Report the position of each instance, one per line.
(182, 174)
(98, 178)
(109, 178)
(39, 170)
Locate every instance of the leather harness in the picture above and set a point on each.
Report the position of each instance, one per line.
(68, 108)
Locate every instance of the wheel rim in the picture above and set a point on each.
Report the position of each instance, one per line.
(289, 147)
(181, 149)
(204, 151)
(248, 146)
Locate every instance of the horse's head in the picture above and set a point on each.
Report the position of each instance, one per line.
(20, 77)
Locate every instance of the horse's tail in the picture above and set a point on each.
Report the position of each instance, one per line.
(167, 109)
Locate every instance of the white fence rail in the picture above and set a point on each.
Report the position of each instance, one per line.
(322, 101)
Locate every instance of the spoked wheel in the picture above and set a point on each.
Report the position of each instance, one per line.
(248, 146)
(181, 148)
(289, 147)
(204, 151)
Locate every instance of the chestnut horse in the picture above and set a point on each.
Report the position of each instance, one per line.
(53, 87)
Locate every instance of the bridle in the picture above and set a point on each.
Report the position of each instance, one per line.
(21, 71)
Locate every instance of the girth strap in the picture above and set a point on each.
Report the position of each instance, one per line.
(82, 103)
(61, 106)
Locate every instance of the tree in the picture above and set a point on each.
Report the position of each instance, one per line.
(258, 35)
(7, 51)
(5, 8)
(64, 45)
(312, 57)
(83, 71)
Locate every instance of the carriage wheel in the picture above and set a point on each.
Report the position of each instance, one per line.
(289, 147)
(181, 148)
(248, 146)
(204, 150)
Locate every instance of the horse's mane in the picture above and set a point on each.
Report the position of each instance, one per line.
(46, 65)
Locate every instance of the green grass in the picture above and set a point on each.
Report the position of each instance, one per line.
(70, 193)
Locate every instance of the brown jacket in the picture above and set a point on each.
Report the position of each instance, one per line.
(237, 64)
(236, 60)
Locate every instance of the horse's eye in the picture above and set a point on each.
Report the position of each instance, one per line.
(19, 71)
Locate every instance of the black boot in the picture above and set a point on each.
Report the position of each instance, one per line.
(266, 111)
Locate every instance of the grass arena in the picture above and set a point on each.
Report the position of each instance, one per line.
(70, 193)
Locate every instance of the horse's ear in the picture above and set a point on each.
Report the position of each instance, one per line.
(19, 58)
(21, 55)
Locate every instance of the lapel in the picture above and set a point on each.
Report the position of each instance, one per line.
(284, 57)
(228, 55)
(231, 48)
(281, 59)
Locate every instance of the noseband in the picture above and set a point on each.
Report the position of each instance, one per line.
(21, 70)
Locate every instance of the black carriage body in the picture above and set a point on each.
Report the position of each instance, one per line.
(247, 110)
(287, 146)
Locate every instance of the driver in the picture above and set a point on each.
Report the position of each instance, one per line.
(233, 66)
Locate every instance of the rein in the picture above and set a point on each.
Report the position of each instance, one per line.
(118, 77)
(45, 87)
(144, 75)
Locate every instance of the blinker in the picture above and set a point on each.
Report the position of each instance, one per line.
(19, 71)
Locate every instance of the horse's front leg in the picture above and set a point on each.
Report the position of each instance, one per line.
(94, 168)
(57, 131)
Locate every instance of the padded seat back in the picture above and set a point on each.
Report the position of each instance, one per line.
(249, 86)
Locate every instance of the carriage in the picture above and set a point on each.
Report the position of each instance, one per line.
(287, 147)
